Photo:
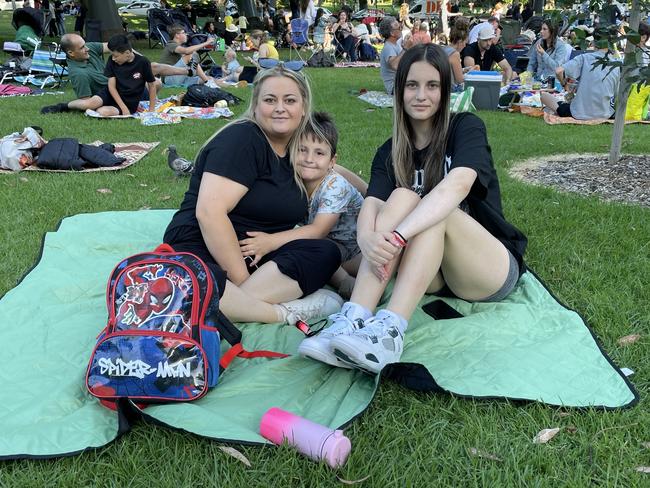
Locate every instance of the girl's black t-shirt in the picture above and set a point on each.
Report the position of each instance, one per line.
(467, 146)
(241, 153)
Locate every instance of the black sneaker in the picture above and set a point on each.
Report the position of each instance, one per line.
(55, 109)
(193, 66)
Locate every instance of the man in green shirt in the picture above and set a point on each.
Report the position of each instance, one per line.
(86, 74)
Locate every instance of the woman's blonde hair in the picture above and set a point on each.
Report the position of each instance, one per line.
(249, 115)
(259, 35)
(403, 149)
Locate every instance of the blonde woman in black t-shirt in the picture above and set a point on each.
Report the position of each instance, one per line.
(244, 182)
(432, 216)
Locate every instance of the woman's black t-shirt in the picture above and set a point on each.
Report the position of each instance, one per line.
(242, 153)
(467, 147)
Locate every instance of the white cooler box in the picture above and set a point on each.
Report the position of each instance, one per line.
(487, 86)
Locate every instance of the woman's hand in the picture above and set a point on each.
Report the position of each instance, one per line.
(540, 49)
(377, 248)
(259, 244)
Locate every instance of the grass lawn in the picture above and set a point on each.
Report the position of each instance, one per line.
(595, 256)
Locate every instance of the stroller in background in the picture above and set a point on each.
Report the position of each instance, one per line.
(161, 19)
(38, 20)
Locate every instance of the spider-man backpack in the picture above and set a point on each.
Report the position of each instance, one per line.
(162, 340)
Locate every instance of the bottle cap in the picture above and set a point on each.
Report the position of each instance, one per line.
(336, 449)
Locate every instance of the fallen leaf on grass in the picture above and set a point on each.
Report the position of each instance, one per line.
(146, 207)
(563, 414)
(643, 469)
(646, 445)
(164, 198)
(545, 435)
(231, 451)
(629, 339)
(131, 175)
(348, 482)
(104, 190)
(472, 451)
(571, 429)
(23, 179)
(143, 185)
(370, 110)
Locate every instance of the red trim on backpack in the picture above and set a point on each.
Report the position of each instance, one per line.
(164, 247)
(238, 351)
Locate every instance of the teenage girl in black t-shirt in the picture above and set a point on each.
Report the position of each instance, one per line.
(432, 214)
(245, 181)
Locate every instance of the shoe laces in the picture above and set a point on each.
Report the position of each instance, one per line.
(375, 327)
(339, 322)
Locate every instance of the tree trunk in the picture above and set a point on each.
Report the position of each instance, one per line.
(444, 19)
(624, 88)
(104, 12)
(538, 7)
(247, 7)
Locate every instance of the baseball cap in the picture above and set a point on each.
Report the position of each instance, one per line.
(486, 33)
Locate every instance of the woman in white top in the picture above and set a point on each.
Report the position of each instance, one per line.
(308, 11)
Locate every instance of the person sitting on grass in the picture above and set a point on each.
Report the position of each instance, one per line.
(334, 204)
(432, 215)
(596, 89)
(262, 47)
(548, 53)
(128, 73)
(231, 69)
(246, 180)
(177, 54)
(86, 74)
(391, 31)
(483, 54)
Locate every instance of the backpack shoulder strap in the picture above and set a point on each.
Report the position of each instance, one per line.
(238, 351)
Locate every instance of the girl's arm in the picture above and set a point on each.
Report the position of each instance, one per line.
(353, 178)
(217, 197)
(375, 245)
(259, 244)
(456, 67)
(112, 89)
(439, 203)
(264, 51)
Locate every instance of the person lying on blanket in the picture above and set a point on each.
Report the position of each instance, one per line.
(246, 180)
(432, 215)
(334, 204)
(86, 74)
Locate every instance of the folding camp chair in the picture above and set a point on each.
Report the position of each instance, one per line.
(48, 67)
(18, 63)
(299, 28)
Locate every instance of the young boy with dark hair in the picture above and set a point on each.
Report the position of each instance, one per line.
(334, 204)
(128, 73)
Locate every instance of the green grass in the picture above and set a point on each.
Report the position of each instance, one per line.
(593, 255)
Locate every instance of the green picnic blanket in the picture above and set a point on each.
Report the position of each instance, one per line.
(527, 347)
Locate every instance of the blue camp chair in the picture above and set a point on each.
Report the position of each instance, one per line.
(299, 29)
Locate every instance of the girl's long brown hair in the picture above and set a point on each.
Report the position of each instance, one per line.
(403, 136)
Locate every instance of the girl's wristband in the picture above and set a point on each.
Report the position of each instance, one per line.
(401, 240)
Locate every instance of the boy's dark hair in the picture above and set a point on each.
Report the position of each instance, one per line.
(119, 43)
(322, 128)
(644, 29)
(175, 29)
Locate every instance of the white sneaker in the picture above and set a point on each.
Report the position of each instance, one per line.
(378, 343)
(321, 303)
(317, 347)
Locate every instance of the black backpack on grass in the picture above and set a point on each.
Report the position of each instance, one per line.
(204, 96)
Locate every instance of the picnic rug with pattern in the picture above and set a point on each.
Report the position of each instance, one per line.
(527, 347)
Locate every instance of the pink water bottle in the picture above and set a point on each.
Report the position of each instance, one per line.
(309, 438)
